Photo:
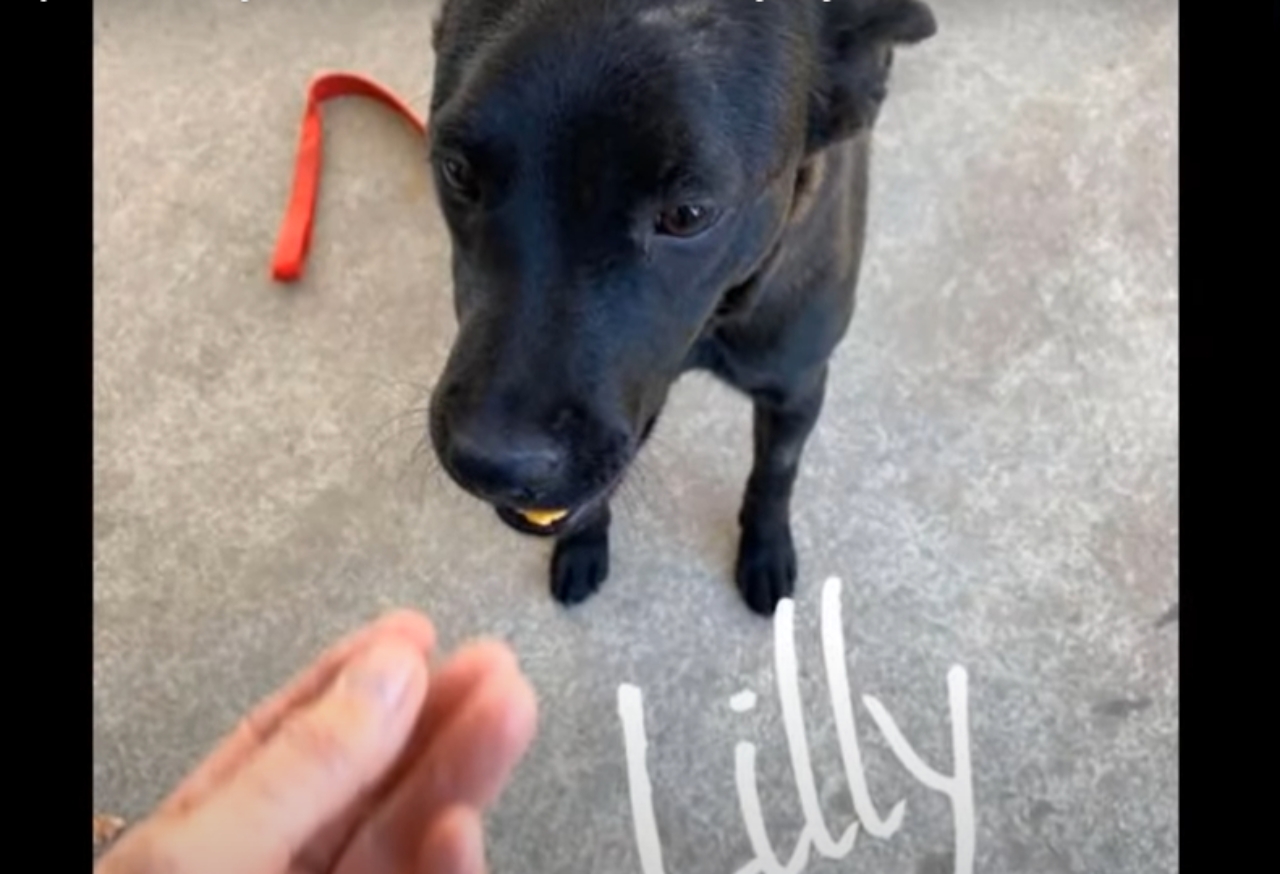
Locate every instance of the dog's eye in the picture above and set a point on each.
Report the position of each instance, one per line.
(686, 220)
(458, 176)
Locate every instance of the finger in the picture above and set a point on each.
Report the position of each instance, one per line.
(452, 686)
(468, 763)
(455, 844)
(470, 759)
(258, 728)
(316, 764)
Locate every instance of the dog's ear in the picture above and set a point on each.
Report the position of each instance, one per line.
(855, 43)
(437, 25)
(463, 23)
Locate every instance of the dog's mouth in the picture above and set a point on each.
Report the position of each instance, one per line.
(543, 518)
(556, 521)
(538, 522)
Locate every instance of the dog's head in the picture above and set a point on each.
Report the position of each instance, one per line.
(613, 173)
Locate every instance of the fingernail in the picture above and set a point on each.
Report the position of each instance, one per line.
(383, 675)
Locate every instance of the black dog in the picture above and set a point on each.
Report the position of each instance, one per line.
(637, 188)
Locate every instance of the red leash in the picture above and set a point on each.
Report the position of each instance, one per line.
(295, 232)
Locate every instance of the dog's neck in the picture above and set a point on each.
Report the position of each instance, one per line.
(738, 300)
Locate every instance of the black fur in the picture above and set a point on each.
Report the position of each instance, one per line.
(570, 140)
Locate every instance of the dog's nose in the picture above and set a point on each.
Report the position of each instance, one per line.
(507, 468)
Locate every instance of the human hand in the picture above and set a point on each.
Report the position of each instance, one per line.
(361, 765)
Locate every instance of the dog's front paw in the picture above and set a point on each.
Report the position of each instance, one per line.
(579, 565)
(766, 567)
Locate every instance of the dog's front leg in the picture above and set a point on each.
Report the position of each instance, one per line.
(766, 570)
(580, 561)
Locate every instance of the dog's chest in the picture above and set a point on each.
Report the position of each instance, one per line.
(739, 358)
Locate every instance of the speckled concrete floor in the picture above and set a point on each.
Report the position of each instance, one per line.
(994, 481)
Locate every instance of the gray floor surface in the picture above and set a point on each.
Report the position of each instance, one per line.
(994, 481)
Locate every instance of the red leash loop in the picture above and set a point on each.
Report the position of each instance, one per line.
(295, 232)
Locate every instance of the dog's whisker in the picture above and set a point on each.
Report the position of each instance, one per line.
(621, 499)
(635, 492)
(414, 422)
(392, 432)
(418, 469)
(389, 382)
(647, 476)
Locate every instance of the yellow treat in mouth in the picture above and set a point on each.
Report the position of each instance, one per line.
(543, 518)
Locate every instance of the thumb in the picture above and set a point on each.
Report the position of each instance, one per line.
(315, 767)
